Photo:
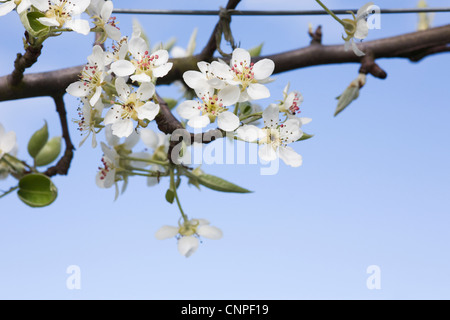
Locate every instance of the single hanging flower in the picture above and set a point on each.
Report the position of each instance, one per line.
(210, 106)
(60, 13)
(132, 106)
(357, 28)
(248, 76)
(101, 14)
(188, 233)
(290, 105)
(89, 120)
(274, 138)
(106, 176)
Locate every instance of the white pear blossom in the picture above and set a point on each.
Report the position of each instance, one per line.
(20, 6)
(188, 233)
(61, 13)
(357, 28)
(199, 80)
(106, 176)
(210, 106)
(89, 119)
(7, 141)
(159, 143)
(119, 51)
(101, 13)
(144, 67)
(249, 76)
(92, 79)
(132, 106)
(291, 105)
(274, 137)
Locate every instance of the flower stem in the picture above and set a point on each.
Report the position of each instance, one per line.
(173, 187)
(161, 163)
(9, 191)
(331, 13)
(236, 108)
(258, 114)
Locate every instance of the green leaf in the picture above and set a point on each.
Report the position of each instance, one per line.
(219, 184)
(37, 190)
(305, 136)
(38, 141)
(49, 152)
(256, 51)
(32, 25)
(350, 94)
(170, 195)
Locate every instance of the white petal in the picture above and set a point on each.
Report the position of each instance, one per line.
(96, 96)
(110, 117)
(2, 131)
(194, 79)
(229, 95)
(24, 5)
(267, 153)
(188, 109)
(263, 69)
(149, 138)
(140, 155)
(199, 121)
(123, 128)
(148, 111)
(142, 77)
(271, 116)
(258, 91)
(362, 29)
(203, 66)
(79, 26)
(221, 70)
(249, 133)
(106, 11)
(146, 91)
(77, 89)
(356, 50)
(166, 232)
(290, 157)
(240, 55)
(228, 121)
(111, 139)
(122, 68)
(187, 245)
(290, 131)
(41, 5)
(161, 57)
(112, 32)
(162, 70)
(80, 6)
(132, 140)
(138, 47)
(97, 57)
(364, 10)
(304, 120)
(50, 22)
(8, 142)
(209, 232)
(123, 90)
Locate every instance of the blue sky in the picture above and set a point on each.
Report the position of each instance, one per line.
(373, 188)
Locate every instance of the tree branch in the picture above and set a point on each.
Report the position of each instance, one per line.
(63, 165)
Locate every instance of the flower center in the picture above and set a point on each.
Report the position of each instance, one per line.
(59, 12)
(211, 106)
(272, 137)
(243, 72)
(146, 64)
(107, 167)
(92, 77)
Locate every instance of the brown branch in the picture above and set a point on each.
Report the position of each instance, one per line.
(211, 45)
(63, 165)
(316, 36)
(368, 65)
(431, 41)
(24, 61)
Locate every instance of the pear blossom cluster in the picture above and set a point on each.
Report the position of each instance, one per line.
(63, 15)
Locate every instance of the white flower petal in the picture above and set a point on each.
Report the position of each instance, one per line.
(41, 5)
(141, 78)
(96, 96)
(290, 157)
(112, 32)
(249, 133)
(106, 11)
(122, 68)
(271, 116)
(113, 114)
(228, 121)
(7, 142)
(149, 138)
(187, 245)
(364, 10)
(122, 128)
(146, 91)
(123, 90)
(166, 232)
(258, 91)
(77, 89)
(79, 6)
(240, 55)
(209, 232)
(50, 22)
(161, 57)
(162, 70)
(229, 95)
(188, 109)
(362, 29)
(199, 121)
(79, 26)
(148, 111)
(263, 69)
(24, 5)
(267, 153)
(194, 79)
(221, 70)
(138, 47)
(356, 50)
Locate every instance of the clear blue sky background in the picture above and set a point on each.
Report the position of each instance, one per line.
(373, 189)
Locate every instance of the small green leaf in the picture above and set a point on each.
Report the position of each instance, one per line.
(305, 136)
(170, 195)
(350, 94)
(245, 108)
(37, 190)
(256, 51)
(49, 152)
(220, 184)
(38, 141)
